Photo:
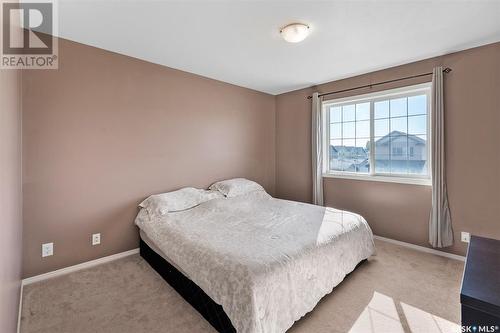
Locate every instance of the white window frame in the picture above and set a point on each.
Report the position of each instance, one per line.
(408, 91)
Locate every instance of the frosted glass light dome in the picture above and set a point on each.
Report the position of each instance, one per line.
(295, 32)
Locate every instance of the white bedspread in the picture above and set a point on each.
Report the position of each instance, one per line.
(266, 261)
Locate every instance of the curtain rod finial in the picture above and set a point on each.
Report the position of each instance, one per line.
(447, 70)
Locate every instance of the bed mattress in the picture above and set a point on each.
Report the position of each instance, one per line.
(266, 261)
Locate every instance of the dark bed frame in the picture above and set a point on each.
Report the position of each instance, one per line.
(194, 295)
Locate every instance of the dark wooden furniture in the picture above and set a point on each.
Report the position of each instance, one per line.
(480, 295)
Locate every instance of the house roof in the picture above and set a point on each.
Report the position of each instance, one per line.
(385, 139)
(349, 149)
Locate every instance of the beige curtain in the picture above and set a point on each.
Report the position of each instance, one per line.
(317, 149)
(440, 229)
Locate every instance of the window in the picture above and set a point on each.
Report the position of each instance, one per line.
(397, 151)
(384, 136)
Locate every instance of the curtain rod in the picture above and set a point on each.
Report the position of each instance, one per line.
(446, 70)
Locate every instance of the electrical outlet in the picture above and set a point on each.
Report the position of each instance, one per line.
(465, 237)
(96, 239)
(47, 249)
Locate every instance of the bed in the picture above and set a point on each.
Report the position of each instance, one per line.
(253, 263)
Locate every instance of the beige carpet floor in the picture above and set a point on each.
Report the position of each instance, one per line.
(399, 290)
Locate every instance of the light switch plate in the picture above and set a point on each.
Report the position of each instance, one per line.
(47, 249)
(96, 239)
(465, 237)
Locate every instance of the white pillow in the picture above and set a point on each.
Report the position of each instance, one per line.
(185, 198)
(235, 187)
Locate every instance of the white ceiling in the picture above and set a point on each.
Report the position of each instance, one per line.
(238, 41)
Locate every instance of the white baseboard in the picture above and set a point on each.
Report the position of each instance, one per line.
(78, 267)
(421, 248)
(113, 257)
(116, 256)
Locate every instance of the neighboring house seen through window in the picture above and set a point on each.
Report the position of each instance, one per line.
(384, 134)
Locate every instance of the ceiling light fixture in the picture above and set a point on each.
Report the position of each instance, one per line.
(295, 32)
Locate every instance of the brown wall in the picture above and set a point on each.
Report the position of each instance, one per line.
(105, 130)
(11, 223)
(399, 211)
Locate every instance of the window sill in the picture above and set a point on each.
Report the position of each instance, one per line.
(378, 178)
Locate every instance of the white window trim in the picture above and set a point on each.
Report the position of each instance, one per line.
(373, 97)
(379, 178)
